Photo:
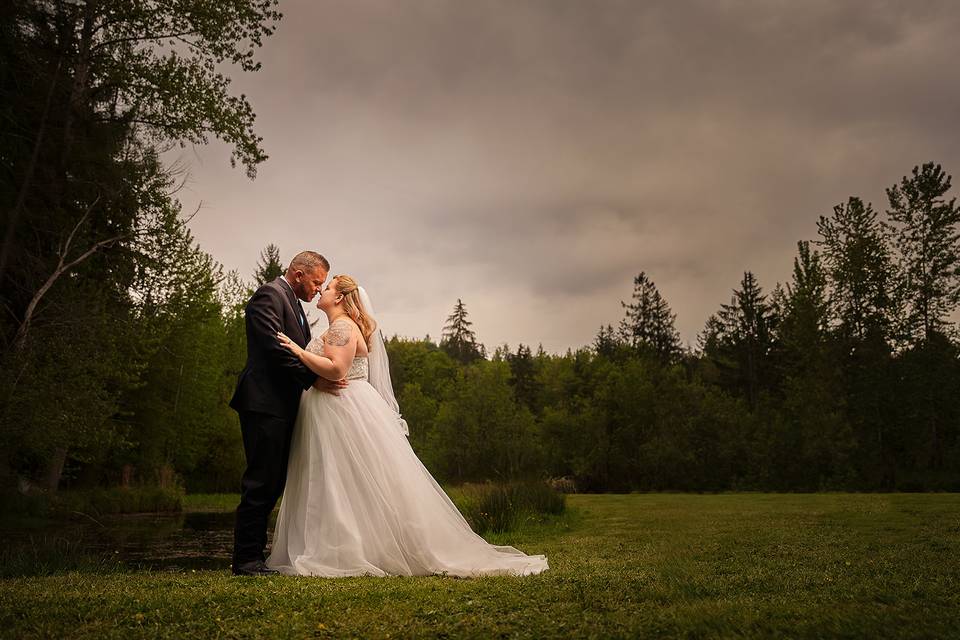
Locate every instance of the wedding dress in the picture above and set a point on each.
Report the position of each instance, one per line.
(358, 501)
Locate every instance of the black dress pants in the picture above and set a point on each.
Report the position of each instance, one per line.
(266, 444)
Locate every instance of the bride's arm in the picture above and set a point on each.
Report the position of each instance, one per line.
(339, 348)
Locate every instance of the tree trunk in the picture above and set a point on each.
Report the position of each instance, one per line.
(28, 175)
(936, 456)
(81, 81)
(55, 469)
(165, 475)
(126, 476)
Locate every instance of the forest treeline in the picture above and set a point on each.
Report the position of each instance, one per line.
(122, 338)
(846, 377)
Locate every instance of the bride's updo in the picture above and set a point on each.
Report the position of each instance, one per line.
(350, 290)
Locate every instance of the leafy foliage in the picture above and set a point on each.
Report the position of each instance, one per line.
(927, 227)
(122, 338)
(110, 308)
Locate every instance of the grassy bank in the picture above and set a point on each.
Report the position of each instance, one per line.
(665, 565)
(82, 503)
(494, 507)
(211, 501)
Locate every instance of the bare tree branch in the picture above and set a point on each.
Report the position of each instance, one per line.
(64, 267)
(147, 38)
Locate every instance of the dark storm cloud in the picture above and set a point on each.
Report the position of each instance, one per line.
(532, 157)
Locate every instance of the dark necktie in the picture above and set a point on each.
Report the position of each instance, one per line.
(303, 318)
(298, 307)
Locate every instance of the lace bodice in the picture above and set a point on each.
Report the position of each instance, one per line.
(359, 368)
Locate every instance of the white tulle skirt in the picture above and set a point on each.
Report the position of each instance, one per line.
(358, 501)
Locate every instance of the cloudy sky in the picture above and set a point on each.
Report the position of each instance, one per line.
(531, 157)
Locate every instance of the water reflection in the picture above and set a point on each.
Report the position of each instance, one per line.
(166, 542)
(173, 542)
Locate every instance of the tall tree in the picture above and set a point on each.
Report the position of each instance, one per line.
(927, 228)
(92, 92)
(744, 340)
(115, 81)
(806, 314)
(813, 449)
(459, 341)
(859, 266)
(523, 373)
(648, 323)
(269, 267)
(862, 277)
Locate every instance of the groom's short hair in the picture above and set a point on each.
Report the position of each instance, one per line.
(307, 261)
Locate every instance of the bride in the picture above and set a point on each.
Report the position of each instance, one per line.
(357, 500)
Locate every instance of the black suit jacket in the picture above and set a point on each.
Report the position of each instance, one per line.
(274, 378)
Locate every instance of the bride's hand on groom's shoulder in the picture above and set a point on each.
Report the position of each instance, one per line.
(330, 386)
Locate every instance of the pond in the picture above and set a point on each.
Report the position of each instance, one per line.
(165, 542)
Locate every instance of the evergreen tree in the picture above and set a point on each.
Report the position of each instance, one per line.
(648, 323)
(745, 340)
(805, 315)
(607, 342)
(860, 270)
(862, 277)
(708, 340)
(813, 448)
(523, 373)
(925, 226)
(927, 229)
(269, 267)
(459, 341)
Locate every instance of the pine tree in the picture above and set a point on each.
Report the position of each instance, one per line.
(648, 323)
(860, 270)
(927, 229)
(269, 267)
(523, 372)
(805, 315)
(708, 340)
(863, 303)
(817, 442)
(607, 342)
(459, 341)
(744, 339)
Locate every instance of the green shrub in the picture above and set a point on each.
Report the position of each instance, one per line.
(499, 507)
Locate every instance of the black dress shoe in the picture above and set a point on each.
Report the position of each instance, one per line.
(254, 568)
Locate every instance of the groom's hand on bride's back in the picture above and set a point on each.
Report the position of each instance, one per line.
(330, 386)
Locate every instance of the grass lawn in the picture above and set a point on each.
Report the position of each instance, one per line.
(211, 501)
(663, 565)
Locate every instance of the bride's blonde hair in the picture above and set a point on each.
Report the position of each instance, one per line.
(350, 290)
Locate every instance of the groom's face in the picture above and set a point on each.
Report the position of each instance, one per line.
(306, 284)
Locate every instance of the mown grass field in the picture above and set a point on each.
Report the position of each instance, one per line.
(663, 565)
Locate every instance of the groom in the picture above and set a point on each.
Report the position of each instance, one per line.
(268, 397)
